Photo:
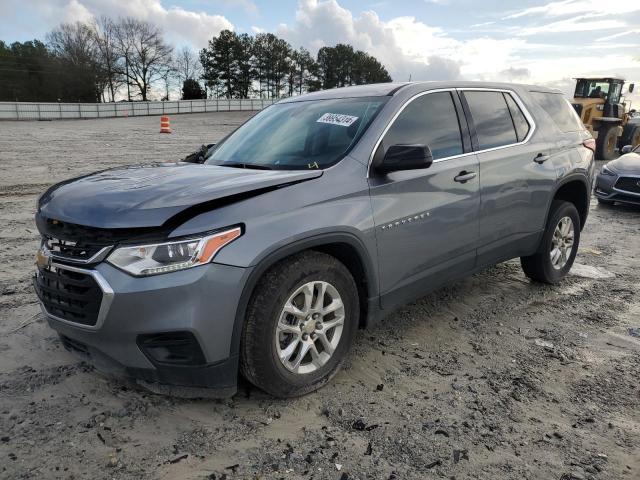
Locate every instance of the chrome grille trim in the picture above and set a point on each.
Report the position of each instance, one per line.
(107, 298)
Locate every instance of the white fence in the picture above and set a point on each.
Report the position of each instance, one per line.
(55, 111)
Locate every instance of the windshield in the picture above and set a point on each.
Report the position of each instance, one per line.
(592, 89)
(298, 135)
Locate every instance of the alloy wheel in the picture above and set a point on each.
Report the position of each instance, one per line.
(309, 327)
(562, 243)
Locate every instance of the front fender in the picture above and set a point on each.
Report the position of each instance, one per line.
(274, 254)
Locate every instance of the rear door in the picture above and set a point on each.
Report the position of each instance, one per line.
(426, 221)
(565, 133)
(516, 177)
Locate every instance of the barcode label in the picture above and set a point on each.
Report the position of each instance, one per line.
(337, 119)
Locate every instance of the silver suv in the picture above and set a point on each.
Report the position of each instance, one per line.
(318, 216)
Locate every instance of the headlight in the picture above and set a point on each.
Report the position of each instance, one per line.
(144, 260)
(607, 171)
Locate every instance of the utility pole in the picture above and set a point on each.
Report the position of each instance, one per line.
(126, 62)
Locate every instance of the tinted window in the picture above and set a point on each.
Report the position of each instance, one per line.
(561, 111)
(519, 120)
(492, 119)
(428, 120)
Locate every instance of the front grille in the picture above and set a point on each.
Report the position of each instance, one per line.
(70, 295)
(628, 184)
(70, 250)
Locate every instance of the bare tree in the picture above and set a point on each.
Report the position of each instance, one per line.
(104, 31)
(73, 42)
(146, 54)
(187, 65)
(74, 45)
(168, 74)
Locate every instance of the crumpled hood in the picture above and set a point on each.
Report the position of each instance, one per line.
(150, 195)
(628, 163)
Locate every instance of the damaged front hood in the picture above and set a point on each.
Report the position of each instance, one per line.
(150, 196)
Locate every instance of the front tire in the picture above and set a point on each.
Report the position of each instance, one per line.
(300, 323)
(559, 245)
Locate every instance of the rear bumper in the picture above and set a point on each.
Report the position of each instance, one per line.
(199, 303)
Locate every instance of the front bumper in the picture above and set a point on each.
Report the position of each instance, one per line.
(606, 190)
(199, 302)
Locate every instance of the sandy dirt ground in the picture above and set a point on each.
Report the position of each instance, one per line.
(494, 377)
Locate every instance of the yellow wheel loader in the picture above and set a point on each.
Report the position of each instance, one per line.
(601, 106)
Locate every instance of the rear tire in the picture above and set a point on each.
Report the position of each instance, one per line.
(544, 265)
(606, 142)
(280, 324)
(631, 135)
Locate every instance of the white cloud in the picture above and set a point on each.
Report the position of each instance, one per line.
(575, 24)
(76, 12)
(409, 47)
(618, 35)
(180, 25)
(405, 45)
(579, 7)
(516, 74)
(483, 24)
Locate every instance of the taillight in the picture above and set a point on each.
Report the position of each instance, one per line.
(590, 144)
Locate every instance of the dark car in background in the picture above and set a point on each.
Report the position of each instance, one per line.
(619, 179)
(320, 215)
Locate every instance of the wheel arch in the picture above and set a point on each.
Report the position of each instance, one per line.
(574, 189)
(344, 246)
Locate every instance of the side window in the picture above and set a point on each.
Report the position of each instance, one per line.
(519, 120)
(561, 111)
(492, 119)
(429, 120)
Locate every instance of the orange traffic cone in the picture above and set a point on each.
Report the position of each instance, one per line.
(164, 124)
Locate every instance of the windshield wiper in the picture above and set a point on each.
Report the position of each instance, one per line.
(253, 166)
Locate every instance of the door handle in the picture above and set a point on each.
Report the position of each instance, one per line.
(541, 158)
(464, 176)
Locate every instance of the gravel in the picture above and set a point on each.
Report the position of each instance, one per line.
(492, 377)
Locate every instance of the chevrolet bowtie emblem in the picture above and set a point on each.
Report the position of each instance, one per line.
(42, 258)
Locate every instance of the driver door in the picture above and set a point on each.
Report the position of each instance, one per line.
(427, 219)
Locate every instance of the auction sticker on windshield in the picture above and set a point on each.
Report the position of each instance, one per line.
(337, 119)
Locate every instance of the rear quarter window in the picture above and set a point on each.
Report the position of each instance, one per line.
(492, 119)
(560, 111)
(519, 120)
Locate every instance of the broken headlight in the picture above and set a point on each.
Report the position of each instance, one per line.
(153, 259)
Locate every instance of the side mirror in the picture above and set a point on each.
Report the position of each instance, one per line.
(198, 155)
(631, 87)
(405, 157)
(626, 149)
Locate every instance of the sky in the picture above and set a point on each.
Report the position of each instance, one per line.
(528, 41)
